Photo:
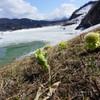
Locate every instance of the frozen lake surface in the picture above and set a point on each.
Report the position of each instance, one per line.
(18, 43)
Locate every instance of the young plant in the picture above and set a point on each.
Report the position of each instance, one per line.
(41, 58)
(92, 40)
(47, 47)
(62, 45)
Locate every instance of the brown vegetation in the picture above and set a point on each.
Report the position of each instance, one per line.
(75, 68)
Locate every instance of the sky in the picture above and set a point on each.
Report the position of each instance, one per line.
(39, 9)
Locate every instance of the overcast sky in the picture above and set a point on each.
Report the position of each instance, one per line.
(39, 9)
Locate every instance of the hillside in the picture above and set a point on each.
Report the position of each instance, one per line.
(82, 10)
(24, 23)
(78, 15)
(75, 75)
(92, 17)
(15, 24)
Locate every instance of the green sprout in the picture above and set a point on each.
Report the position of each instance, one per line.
(92, 40)
(97, 73)
(47, 47)
(92, 61)
(62, 45)
(95, 77)
(41, 57)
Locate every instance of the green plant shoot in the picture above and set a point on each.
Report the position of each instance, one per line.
(62, 45)
(47, 47)
(41, 57)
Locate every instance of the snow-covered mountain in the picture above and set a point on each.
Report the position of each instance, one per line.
(80, 13)
(92, 18)
(76, 18)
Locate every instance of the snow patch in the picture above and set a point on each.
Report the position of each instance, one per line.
(85, 9)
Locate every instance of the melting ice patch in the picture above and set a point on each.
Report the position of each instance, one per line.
(51, 34)
(17, 44)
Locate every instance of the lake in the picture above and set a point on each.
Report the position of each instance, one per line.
(19, 43)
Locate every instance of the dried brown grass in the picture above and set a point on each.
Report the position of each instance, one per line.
(77, 68)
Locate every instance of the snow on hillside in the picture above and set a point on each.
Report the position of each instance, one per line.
(80, 13)
(85, 9)
(83, 12)
(51, 34)
(90, 29)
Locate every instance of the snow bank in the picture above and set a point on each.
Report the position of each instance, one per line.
(90, 29)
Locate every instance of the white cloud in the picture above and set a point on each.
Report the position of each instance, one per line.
(65, 10)
(22, 9)
(18, 9)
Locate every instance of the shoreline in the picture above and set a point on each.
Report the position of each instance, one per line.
(53, 45)
(51, 34)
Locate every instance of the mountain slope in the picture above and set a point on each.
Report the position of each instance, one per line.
(24, 23)
(92, 18)
(14, 24)
(78, 17)
(80, 13)
(75, 68)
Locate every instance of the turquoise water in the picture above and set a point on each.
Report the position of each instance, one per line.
(7, 54)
